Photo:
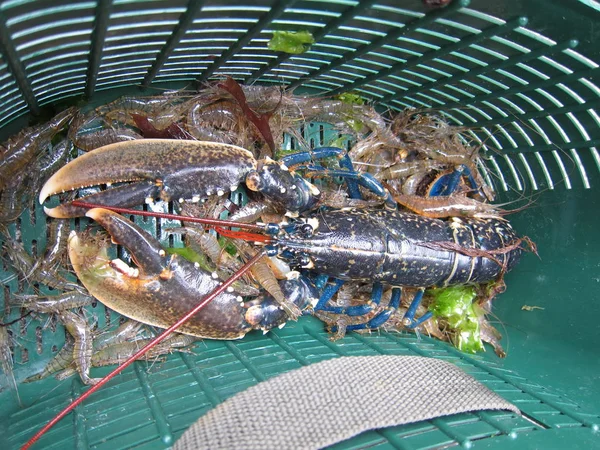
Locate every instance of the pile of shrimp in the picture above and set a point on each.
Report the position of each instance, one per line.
(405, 151)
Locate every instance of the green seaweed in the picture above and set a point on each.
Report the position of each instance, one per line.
(293, 42)
(455, 304)
(350, 98)
(191, 256)
(226, 244)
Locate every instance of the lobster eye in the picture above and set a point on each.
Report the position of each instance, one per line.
(307, 230)
(304, 260)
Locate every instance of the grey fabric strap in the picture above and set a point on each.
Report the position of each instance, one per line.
(330, 401)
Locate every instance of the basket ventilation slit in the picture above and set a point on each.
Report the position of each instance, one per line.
(186, 20)
(107, 317)
(545, 170)
(24, 354)
(102, 15)
(9, 53)
(562, 168)
(38, 340)
(487, 69)
(581, 168)
(390, 38)
(277, 10)
(346, 16)
(433, 54)
(528, 171)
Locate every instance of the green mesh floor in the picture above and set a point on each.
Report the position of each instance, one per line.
(525, 74)
(149, 406)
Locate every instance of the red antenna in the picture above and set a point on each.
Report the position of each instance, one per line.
(202, 220)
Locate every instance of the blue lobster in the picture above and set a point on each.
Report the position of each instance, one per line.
(328, 246)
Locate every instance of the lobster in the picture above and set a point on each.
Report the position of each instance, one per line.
(379, 245)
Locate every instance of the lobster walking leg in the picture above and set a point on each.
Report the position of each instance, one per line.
(326, 152)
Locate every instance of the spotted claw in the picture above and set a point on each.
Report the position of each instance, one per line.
(152, 168)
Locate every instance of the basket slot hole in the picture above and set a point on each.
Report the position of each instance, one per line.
(24, 355)
(23, 326)
(107, 316)
(7, 307)
(38, 340)
(18, 229)
(32, 218)
(54, 349)
(34, 252)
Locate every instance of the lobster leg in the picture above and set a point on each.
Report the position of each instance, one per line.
(357, 310)
(328, 293)
(383, 316)
(365, 180)
(326, 152)
(409, 317)
(448, 184)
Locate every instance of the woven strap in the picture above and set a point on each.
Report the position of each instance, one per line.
(331, 401)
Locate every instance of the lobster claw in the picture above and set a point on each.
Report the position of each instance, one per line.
(161, 289)
(154, 168)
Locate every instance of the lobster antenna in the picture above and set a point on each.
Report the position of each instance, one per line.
(202, 220)
(205, 301)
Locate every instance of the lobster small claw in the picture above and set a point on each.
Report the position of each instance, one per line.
(156, 168)
(175, 170)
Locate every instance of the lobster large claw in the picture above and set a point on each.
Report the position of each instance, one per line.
(153, 168)
(163, 288)
(160, 290)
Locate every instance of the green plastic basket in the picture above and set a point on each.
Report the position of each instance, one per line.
(524, 73)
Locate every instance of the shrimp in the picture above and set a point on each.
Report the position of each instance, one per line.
(56, 245)
(97, 139)
(25, 146)
(446, 206)
(406, 169)
(53, 304)
(124, 332)
(78, 327)
(6, 362)
(45, 167)
(26, 266)
(117, 353)
(62, 360)
(265, 276)
(11, 197)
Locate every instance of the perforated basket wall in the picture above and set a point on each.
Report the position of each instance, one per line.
(522, 76)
